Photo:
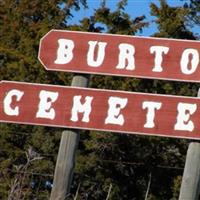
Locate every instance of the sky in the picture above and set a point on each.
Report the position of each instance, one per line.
(134, 8)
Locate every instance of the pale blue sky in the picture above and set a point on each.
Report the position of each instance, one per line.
(134, 8)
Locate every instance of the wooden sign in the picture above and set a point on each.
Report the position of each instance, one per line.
(142, 57)
(103, 110)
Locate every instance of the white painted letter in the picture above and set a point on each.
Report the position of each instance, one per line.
(82, 108)
(99, 56)
(184, 111)
(115, 105)
(44, 107)
(126, 57)
(8, 101)
(158, 50)
(64, 52)
(151, 109)
(189, 54)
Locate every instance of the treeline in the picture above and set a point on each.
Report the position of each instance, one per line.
(127, 164)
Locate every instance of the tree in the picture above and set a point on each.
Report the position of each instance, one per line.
(22, 24)
(193, 17)
(171, 21)
(194, 12)
(128, 163)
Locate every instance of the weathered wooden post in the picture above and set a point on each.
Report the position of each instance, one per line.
(66, 155)
(190, 186)
(191, 176)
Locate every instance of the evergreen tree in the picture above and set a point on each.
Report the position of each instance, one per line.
(124, 163)
(22, 24)
(171, 21)
(194, 12)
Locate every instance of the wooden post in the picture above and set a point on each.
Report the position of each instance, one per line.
(191, 175)
(190, 186)
(66, 156)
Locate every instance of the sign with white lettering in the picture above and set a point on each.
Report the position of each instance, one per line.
(143, 57)
(104, 110)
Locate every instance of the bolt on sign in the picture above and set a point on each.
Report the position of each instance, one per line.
(142, 57)
(105, 110)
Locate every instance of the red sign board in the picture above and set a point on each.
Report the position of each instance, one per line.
(142, 57)
(103, 110)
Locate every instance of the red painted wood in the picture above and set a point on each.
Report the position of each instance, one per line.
(144, 60)
(134, 115)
